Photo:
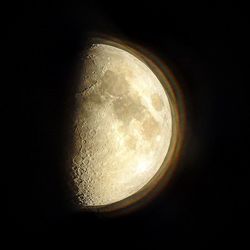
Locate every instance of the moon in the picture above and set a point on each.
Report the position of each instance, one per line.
(122, 127)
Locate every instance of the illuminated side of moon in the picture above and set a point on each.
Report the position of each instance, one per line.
(122, 127)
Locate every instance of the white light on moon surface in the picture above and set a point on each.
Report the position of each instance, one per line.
(123, 127)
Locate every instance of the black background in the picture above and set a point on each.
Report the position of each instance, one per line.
(206, 46)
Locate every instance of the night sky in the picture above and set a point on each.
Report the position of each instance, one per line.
(206, 47)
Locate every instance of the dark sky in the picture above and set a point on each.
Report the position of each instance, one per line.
(206, 47)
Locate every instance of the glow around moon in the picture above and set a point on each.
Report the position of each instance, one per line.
(122, 127)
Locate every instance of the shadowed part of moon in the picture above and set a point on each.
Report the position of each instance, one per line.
(122, 127)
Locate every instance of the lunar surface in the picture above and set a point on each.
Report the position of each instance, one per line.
(122, 127)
